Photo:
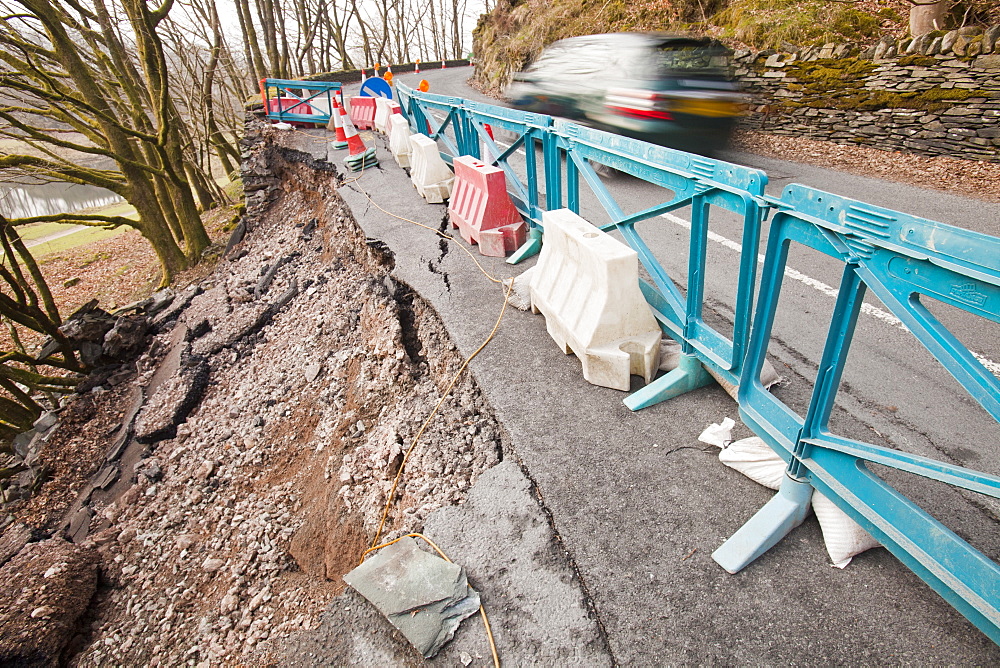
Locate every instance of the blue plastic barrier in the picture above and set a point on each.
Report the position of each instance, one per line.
(896, 256)
(900, 258)
(297, 100)
(567, 150)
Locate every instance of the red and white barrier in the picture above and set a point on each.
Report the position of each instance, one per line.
(482, 210)
(394, 110)
(292, 106)
(381, 120)
(363, 112)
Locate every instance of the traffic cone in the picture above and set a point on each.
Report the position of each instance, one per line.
(487, 153)
(360, 157)
(444, 64)
(363, 77)
(337, 119)
(417, 70)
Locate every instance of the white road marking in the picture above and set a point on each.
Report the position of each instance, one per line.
(828, 290)
(506, 146)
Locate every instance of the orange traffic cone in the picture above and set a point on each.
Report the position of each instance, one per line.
(336, 118)
(360, 157)
(417, 70)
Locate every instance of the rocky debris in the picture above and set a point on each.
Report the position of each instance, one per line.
(13, 538)
(238, 535)
(103, 339)
(28, 461)
(124, 430)
(126, 338)
(62, 459)
(46, 421)
(178, 303)
(79, 524)
(421, 594)
(50, 586)
(265, 280)
(89, 323)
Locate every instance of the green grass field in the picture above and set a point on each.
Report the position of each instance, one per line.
(80, 238)
(30, 233)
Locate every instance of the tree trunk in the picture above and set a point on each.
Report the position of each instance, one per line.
(927, 16)
(250, 41)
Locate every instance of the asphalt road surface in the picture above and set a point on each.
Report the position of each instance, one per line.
(639, 505)
(889, 371)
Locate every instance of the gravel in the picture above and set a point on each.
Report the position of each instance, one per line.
(971, 178)
(238, 525)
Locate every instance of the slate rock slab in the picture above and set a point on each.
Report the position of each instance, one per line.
(13, 538)
(170, 405)
(422, 595)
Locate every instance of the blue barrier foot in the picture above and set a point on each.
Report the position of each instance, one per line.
(773, 522)
(530, 248)
(689, 375)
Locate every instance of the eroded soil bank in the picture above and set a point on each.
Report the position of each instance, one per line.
(265, 427)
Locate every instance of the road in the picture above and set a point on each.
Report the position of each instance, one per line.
(888, 368)
(639, 505)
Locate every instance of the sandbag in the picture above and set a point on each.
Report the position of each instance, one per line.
(844, 538)
(756, 460)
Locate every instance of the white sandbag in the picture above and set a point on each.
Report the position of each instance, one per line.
(719, 435)
(844, 537)
(520, 294)
(670, 354)
(756, 460)
(670, 357)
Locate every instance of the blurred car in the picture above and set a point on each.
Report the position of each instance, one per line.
(666, 89)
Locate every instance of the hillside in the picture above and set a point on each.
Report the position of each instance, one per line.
(515, 31)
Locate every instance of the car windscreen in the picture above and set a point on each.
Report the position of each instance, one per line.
(572, 60)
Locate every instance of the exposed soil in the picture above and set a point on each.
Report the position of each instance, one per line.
(238, 526)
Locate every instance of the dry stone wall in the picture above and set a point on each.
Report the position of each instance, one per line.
(938, 94)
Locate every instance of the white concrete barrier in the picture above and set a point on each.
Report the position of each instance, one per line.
(382, 114)
(429, 172)
(586, 283)
(399, 140)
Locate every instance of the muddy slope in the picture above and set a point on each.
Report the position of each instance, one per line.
(252, 498)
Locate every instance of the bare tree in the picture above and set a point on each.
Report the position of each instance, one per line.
(88, 97)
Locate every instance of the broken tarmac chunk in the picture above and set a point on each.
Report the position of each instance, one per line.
(170, 405)
(422, 595)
